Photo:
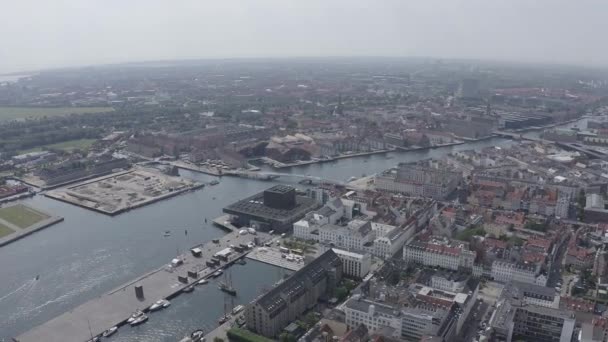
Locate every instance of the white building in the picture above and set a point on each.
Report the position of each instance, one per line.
(387, 245)
(505, 272)
(440, 252)
(409, 323)
(356, 265)
(357, 235)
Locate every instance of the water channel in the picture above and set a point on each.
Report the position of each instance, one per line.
(89, 254)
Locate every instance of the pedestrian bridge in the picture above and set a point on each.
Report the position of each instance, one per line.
(264, 175)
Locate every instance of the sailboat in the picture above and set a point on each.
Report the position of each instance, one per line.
(225, 317)
(226, 285)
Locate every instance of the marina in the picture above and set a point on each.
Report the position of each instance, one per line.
(114, 308)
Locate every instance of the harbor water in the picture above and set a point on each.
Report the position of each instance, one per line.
(89, 254)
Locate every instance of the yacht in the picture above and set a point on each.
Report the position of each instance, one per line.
(203, 281)
(237, 309)
(109, 332)
(223, 319)
(198, 335)
(139, 320)
(160, 304)
(217, 273)
(135, 315)
(188, 289)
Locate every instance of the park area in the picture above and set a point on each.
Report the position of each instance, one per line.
(4, 230)
(21, 216)
(70, 145)
(22, 113)
(19, 220)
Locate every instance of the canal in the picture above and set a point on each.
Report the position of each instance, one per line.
(89, 253)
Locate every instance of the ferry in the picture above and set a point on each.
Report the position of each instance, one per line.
(109, 332)
(139, 320)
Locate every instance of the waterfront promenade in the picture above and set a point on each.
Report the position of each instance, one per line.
(115, 307)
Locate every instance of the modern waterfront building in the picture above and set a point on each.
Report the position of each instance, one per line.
(270, 313)
(275, 209)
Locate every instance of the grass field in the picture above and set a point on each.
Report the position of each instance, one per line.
(81, 144)
(17, 113)
(21, 216)
(4, 230)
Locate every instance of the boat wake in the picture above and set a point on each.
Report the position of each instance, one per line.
(27, 285)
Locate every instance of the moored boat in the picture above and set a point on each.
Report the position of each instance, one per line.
(139, 320)
(109, 332)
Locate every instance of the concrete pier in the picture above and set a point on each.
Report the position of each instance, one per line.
(273, 257)
(115, 307)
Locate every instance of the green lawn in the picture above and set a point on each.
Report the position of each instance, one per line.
(16, 113)
(21, 216)
(4, 230)
(81, 144)
(242, 335)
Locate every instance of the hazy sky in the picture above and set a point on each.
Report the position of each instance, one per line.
(55, 33)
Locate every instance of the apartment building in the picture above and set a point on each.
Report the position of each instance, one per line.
(270, 313)
(439, 251)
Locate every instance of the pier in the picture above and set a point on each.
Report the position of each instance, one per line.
(115, 307)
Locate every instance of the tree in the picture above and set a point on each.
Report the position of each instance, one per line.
(341, 293)
(310, 319)
(286, 337)
(218, 339)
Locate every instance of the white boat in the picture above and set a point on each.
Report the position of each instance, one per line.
(135, 315)
(203, 282)
(197, 335)
(110, 332)
(218, 273)
(160, 304)
(237, 309)
(139, 320)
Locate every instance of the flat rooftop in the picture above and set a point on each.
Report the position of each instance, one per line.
(254, 206)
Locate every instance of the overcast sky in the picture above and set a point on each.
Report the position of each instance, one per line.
(57, 33)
